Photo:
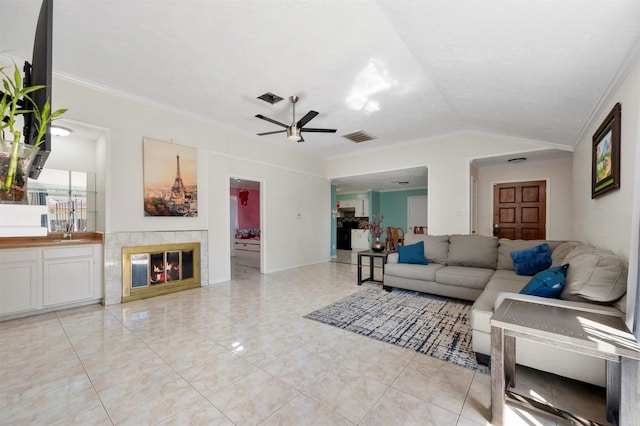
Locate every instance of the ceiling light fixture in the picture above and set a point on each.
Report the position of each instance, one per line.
(517, 160)
(293, 133)
(60, 131)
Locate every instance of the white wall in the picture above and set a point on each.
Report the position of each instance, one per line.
(558, 175)
(594, 222)
(448, 158)
(611, 221)
(292, 183)
(295, 214)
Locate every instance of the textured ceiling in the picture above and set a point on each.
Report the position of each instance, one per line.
(398, 70)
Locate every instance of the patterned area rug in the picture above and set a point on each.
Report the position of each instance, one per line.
(433, 325)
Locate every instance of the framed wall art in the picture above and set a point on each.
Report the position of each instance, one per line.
(605, 167)
(170, 179)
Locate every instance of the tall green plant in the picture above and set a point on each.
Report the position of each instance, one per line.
(16, 101)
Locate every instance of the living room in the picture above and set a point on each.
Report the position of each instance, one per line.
(296, 186)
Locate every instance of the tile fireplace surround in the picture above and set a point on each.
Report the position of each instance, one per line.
(114, 242)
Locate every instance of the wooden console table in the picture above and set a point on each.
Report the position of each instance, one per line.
(372, 256)
(598, 335)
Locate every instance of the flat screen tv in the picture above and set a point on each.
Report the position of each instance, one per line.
(40, 72)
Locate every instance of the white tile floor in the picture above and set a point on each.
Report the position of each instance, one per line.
(240, 353)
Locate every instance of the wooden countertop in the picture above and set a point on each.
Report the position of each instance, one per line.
(52, 240)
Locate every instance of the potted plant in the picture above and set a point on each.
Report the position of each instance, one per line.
(15, 156)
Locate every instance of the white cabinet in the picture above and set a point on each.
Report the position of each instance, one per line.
(363, 208)
(360, 204)
(19, 280)
(348, 204)
(360, 239)
(69, 274)
(45, 278)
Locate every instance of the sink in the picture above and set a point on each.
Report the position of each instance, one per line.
(77, 240)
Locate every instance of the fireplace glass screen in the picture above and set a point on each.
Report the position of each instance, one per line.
(160, 269)
(139, 270)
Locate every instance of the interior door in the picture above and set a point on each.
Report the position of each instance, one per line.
(417, 212)
(520, 210)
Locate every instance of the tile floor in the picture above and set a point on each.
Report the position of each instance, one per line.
(240, 353)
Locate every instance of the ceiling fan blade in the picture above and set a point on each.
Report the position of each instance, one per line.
(301, 138)
(307, 118)
(320, 130)
(270, 120)
(271, 133)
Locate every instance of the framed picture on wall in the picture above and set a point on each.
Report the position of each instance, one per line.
(170, 179)
(605, 167)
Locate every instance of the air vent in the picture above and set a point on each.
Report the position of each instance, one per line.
(359, 136)
(270, 98)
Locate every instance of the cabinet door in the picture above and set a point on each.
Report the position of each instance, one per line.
(359, 239)
(19, 283)
(365, 207)
(68, 275)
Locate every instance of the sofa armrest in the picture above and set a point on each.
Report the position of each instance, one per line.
(568, 304)
(392, 258)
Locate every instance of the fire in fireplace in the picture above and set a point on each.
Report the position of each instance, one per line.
(153, 270)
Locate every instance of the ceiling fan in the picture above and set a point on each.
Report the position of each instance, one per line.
(294, 131)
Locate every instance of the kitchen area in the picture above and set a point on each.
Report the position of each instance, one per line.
(352, 219)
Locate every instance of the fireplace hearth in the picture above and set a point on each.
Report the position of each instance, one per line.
(149, 271)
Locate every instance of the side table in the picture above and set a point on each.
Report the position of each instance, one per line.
(594, 334)
(372, 255)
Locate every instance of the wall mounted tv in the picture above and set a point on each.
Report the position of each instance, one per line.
(39, 72)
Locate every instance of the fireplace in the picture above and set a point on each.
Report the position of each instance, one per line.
(149, 271)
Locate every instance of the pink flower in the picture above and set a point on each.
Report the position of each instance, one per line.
(375, 226)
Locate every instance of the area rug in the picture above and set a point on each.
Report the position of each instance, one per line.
(432, 325)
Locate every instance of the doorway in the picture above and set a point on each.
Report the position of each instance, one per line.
(520, 210)
(245, 225)
(417, 214)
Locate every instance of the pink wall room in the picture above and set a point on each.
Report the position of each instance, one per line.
(248, 215)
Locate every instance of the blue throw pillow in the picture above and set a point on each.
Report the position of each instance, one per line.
(533, 260)
(547, 283)
(413, 253)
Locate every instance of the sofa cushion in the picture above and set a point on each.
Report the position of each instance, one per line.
(464, 276)
(473, 250)
(596, 275)
(483, 307)
(510, 275)
(413, 253)
(532, 260)
(547, 283)
(415, 272)
(436, 247)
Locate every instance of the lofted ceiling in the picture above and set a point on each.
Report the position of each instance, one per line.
(397, 70)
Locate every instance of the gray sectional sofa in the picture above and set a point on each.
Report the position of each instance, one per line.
(480, 269)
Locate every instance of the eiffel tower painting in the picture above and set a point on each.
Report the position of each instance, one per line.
(169, 191)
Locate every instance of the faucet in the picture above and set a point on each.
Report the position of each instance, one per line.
(70, 225)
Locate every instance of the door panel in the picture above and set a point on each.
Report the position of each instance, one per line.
(520, 210)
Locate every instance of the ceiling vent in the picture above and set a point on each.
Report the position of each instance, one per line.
(359, 136)
(270, 98)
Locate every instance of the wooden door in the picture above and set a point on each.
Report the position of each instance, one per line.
(520, 210)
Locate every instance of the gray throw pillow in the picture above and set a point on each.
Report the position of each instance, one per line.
(595, 275)
(436, 247)
(473, 250)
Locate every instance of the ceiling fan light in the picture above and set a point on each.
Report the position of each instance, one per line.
(293, 134)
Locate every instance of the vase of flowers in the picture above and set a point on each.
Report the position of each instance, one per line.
(375, 227)
(16, 157)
